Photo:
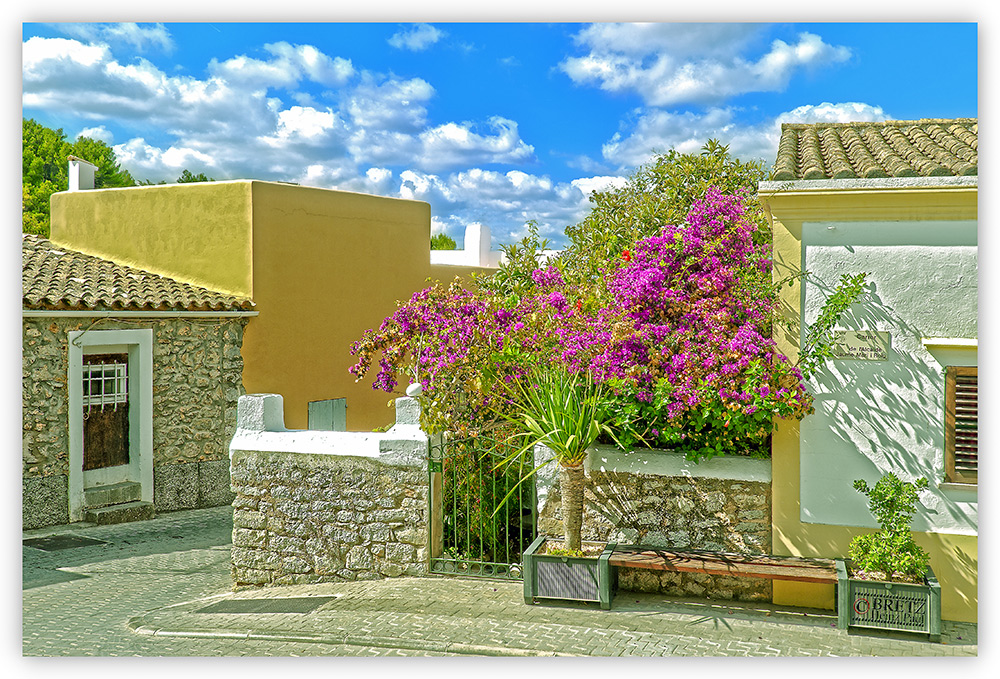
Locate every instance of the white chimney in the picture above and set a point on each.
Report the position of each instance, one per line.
(477, 244)
(81, 174)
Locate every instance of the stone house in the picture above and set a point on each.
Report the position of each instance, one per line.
(130, 382)
(896, 200)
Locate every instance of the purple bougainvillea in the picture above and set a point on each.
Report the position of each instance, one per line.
(677, 328)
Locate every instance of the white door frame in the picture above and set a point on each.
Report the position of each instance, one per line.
(138, 344)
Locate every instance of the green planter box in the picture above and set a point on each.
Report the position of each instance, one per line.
(586, 579)
(895, 606)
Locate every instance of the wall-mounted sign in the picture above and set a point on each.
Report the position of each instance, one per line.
(861, 345)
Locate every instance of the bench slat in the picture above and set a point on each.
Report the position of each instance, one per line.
(713, 563)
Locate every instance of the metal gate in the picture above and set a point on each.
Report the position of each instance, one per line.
(469, 536)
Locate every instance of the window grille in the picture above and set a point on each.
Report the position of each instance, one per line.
(105, 384)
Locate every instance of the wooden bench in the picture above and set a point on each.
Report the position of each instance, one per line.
(795, 568)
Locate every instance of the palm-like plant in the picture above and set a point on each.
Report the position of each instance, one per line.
(565, 413)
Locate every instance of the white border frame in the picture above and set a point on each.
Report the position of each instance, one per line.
(139, 345)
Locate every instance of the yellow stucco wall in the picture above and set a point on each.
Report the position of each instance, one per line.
(198, 232)
(327, 266)
(321, 266)
(953, 557)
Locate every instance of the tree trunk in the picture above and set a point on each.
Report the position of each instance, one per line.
(571, 483)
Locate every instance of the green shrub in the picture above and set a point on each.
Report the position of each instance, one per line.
(892, 551)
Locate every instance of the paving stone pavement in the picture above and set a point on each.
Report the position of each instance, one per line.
(162, 588)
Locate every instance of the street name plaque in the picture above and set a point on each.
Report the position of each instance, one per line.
(861, 345)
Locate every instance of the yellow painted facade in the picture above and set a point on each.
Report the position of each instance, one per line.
(321, 266)
(954, 557)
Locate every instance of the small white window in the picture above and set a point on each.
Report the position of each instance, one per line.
(105, 384)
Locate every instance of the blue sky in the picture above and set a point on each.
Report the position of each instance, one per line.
(488, 122)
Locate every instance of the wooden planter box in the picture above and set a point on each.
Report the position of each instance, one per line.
(894, 606)
(585, 579)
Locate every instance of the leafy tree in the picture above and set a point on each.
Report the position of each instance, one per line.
(109, 173)
(656, 195)
(442, 241)
(188, 178)
(44, 170)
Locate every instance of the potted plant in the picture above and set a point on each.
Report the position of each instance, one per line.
(565, 413)
(888, 583)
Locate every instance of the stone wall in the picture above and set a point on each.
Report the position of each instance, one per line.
(197, 380)
(322, 506)
(657, 498)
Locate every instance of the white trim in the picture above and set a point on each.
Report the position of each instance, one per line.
(656, 462)
(139, 344)
(55, 313)
(950, 343)
(899, 183)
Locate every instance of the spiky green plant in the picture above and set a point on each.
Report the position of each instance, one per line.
(565, 413)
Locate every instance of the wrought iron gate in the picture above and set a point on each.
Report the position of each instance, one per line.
(469, 536)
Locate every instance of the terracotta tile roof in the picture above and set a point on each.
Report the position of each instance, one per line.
(54, 277)
(894, 148)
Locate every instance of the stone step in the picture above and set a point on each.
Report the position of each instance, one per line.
(113, 494)
(121, 513)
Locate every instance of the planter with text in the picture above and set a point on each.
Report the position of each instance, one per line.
(895, 606)
(573, 578)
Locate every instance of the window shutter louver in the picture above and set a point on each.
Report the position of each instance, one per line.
(962, 424)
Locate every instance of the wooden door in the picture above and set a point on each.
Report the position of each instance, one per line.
(105, 411)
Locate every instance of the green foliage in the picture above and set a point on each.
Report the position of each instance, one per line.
(188, 178)
(564, 412)
(109, 173)
(44, 170)
(892, 551)
(656, 195)
(512, 279)
(819, 337)
(479, 522)
(442, 241)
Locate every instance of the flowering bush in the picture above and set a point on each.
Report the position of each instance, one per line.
(677, 328)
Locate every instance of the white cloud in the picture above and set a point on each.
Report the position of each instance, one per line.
(288, 66)
(454, 144)
(588, 185)
(146, 159)
(417, 38)
(99, 133)
(680, 39)
(305, 123)
(142, 37)
(396, 105)
(668, 65)
(504, 201)
(834, 113)
(658, 131)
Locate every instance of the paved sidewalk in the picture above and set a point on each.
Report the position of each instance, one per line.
(489, 618)
(162, 588)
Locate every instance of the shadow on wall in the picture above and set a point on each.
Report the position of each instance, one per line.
(721, 514)
(890, 412)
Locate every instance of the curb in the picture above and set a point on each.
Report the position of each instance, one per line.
(136, 626)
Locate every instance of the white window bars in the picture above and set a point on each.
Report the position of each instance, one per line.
(105, 384)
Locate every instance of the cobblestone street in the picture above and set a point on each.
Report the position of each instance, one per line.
(162, 588)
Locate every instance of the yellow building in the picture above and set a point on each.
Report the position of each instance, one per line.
(896, 200)
(320, 266)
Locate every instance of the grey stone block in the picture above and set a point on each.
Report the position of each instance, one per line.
(213, 484)
(123, 513)
(175, 486)
(44, 501)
